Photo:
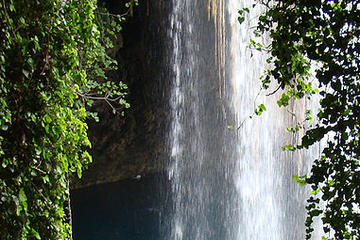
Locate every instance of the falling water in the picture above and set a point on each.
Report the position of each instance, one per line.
(227, 183)
(271, 205)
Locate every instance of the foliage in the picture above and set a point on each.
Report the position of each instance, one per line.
(327, 33)
(52, 66)
(260, 109)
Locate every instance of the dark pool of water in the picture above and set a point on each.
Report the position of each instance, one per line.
(126, 210)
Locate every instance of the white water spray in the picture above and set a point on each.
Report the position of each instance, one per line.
(232, 184)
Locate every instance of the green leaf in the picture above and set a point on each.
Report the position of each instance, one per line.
(284, 100)
(241, 19)
(300, 179)
(260, 109)
(18, 210)
(315, 192)
(35, 234)
(288, 147)
(22, 195)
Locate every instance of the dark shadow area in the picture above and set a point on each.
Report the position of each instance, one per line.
(125, 210)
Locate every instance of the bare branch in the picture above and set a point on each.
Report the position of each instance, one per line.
(272, 93)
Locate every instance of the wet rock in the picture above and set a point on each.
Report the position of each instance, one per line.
(125, 147)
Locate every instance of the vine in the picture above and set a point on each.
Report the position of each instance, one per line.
(325, 33)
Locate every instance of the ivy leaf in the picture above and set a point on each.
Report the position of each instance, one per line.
(241, 19)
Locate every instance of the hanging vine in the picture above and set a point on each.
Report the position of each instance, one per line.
(326, 33)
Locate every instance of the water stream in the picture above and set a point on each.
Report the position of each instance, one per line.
(228, 183)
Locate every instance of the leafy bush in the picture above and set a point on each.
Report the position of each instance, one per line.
(53, 63)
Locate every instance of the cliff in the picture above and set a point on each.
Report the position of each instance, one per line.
(127, 146)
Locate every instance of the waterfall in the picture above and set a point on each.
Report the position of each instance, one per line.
(227, 183)
(271, 205)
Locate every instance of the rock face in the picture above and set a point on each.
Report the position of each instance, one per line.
(125, 147)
